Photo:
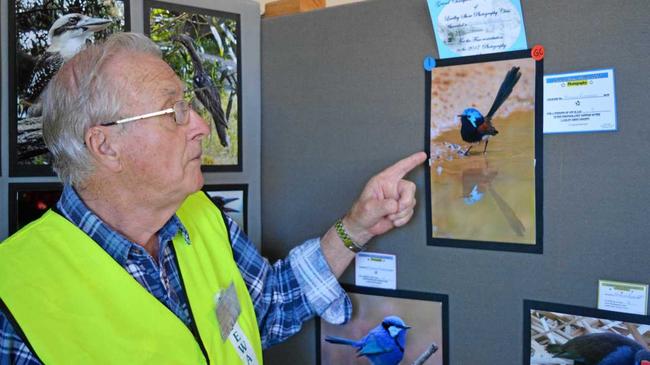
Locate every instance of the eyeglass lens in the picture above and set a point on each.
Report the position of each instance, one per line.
(181, 112)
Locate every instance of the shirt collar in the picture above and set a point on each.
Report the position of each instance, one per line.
(115, 244)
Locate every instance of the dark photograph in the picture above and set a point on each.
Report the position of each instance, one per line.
(28, 202)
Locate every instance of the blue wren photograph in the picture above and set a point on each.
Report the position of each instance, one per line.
(385, 331)
(482, 143)
(561, 338)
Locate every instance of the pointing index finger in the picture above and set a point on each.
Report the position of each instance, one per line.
(404, 166)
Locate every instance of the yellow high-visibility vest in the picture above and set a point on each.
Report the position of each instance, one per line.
(76, 305)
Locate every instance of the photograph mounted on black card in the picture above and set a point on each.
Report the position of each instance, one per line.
(42, 37)
(231, 199)
(203, 47)
(484, 139)
(28, 202)
(388, 327)
(566, 334)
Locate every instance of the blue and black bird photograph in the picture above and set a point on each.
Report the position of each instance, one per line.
(383, 345)
(48, 34)
(559, 338)
(203, 49)
(385, 331)
(483, 114)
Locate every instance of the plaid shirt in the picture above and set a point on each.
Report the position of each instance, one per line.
(284, 294)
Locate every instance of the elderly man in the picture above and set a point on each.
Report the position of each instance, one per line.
(134, 265)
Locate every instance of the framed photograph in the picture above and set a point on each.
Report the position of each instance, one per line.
(204, 48)
(387, 327)
(42, 37)
(28, 202)
(483, 133)
(566, 334)
(232, 200)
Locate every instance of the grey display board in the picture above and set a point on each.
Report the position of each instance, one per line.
(251, 104)
(343, 96)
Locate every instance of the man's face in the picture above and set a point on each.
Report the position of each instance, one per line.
(159, 157)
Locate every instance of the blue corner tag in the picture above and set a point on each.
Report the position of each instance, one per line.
(429, 63)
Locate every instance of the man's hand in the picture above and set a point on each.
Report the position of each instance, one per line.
(387, 201)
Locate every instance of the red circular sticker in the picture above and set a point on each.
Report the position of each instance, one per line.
(537, 53)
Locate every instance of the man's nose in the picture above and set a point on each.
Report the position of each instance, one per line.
(198, 126)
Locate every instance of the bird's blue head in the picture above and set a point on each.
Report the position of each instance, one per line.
(394, 325)
(642, 358)
(473, 116)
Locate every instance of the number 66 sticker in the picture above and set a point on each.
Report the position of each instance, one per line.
(537, 52)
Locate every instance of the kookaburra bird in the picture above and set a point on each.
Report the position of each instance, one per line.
(67, 36)
(205, 90)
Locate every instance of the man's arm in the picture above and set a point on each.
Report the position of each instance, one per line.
(293, 290)
(386, 202)
(290, 291)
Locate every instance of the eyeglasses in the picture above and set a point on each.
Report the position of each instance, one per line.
(181, 111)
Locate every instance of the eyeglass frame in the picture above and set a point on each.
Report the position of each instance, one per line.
(154, 114)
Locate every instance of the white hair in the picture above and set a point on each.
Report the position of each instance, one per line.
(84, 94)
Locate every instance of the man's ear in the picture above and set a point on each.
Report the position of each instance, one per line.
(102, 148)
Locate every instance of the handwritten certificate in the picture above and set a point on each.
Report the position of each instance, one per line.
(580, 102)
(472, 27)
(623, 297)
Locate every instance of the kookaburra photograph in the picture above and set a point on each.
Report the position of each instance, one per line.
(45, 35)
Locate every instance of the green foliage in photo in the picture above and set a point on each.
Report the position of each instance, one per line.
(215, 40)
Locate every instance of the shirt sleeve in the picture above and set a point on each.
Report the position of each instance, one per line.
(288, 292)
(13, 349)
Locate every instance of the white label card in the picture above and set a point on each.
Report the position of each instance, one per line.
(623, 297)
(376, 270)
(580, 102)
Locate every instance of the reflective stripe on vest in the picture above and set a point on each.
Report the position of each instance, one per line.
(76, 305)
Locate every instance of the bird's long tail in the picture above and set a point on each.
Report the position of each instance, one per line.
(341, 341)
(221, 130)
(504, 91)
